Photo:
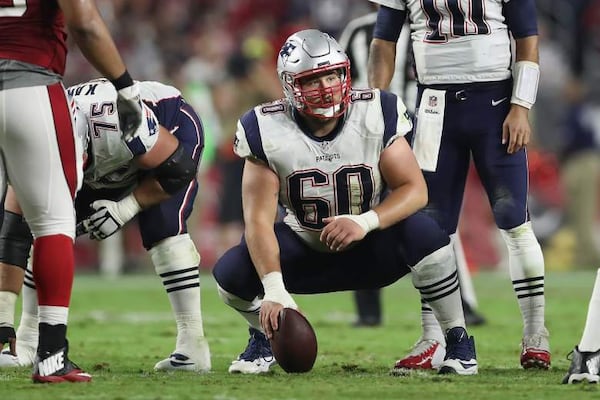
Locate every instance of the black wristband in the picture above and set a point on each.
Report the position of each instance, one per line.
(123, 81)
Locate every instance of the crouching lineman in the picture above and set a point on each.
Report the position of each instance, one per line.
(151, 174)
(327, 152)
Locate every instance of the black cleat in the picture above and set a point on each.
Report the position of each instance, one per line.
(585, 366)
(56, 368)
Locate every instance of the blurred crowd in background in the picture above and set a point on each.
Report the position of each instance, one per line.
(221, 54)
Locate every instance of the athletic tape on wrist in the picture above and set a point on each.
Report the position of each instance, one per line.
(369, 220)
(128, 208)
(275, 290)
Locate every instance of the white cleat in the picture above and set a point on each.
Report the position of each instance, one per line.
(260, 365)
(196, 361)
(257, 358)
(25, 355)
(7, 360)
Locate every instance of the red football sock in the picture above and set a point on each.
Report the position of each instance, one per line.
(53, 269)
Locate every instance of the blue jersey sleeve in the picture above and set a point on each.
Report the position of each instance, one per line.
(250, 124)
(167, 110)
(390, 114)
(521, 18)
(389, 23)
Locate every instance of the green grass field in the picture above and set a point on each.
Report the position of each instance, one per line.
(119, 329)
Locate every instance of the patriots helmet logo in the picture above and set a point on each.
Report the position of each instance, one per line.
(286, 50)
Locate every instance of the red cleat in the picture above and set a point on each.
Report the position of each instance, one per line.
(425, 354)
(535, 351)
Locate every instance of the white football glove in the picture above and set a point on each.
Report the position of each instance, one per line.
(129, 107)
(110, 216)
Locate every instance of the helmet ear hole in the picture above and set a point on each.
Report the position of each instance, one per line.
(312, 52)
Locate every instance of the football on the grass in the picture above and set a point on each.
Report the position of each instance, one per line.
(294, 344)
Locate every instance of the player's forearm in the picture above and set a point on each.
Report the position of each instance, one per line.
(381, 65)
(527, 49)
(401, 203)
(149, 193)
(91, 34)
(263, 248)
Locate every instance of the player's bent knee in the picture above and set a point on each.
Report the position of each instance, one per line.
(174, 252)
(520, 238)
(237, 302)
(434, 268)
(15, 240)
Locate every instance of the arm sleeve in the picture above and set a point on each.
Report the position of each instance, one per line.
(396, 120)
(389, 23)
(248, 142)
(521, 17)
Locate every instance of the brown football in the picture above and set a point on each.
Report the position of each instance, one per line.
(294, 344)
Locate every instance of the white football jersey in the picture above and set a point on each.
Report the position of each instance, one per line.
(109, 163)
(458, 41)
(322, 177)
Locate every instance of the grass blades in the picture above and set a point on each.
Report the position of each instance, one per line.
(120, 328)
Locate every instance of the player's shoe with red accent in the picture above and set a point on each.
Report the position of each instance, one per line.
(56, 368)
(585, 366)
(425, 354)
(257, 358)
(460, 357)
(535, 350)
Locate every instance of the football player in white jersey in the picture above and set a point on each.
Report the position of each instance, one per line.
(355, 39)
(585, 357)
(152, 174)
(327, 152)
(473, 102)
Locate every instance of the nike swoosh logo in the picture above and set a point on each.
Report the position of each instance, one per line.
(180, 364)
(496, 102)
(467, 365)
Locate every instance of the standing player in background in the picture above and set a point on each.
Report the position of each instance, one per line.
(151, 175)
(356, 39)
(585, 361)
(473, 102)
(38, 150)
(325, 153)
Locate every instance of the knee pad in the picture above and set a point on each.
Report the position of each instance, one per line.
(435, 275)
(525, 256)
(520, 239)
(15, 240)
(174, 253)
(239, 304)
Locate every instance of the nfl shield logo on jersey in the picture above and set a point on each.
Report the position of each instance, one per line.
(433, 100)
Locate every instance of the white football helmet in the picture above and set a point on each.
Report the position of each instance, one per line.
(310, 52)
